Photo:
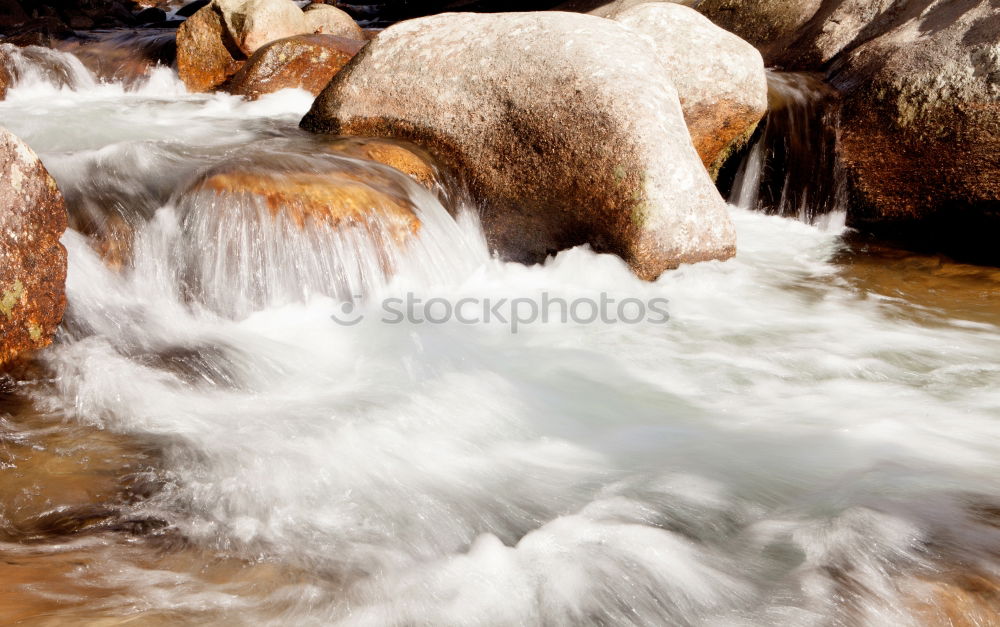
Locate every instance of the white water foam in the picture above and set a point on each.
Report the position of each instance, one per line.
(778, 453)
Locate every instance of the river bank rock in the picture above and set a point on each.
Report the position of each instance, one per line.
(920, 128)
(573, 136)
(719, 77)
(302, 61)
(32, 261)
(215, 42)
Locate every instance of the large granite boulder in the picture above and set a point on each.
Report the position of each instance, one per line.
(32, 261)
(719, 77)
(565, 127)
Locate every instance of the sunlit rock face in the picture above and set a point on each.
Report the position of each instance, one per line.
(302, 61)
(719, 77)
(573, 136)
(32, 261)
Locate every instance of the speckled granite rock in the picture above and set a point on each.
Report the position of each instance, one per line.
(565, 127)
(32, 261)
(303, 61)
(719, 77)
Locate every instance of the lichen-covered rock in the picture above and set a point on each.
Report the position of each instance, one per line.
(920, 128)
(564, 126)
(303, 61)
(207, 55)
(329, 20)
(719, 77)
(32, 261)
(253, 23)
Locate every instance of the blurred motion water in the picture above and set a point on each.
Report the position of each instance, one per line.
(811, 440)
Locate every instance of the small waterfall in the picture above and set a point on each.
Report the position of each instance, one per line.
(791, 167)
(124, 56)
(35, 66)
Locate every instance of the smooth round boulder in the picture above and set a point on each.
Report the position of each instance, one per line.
(325, 19)
(253, 23)
(301, 62)
(564, 127)
(719, 78)
(32, 261)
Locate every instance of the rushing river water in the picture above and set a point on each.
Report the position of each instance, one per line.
(813, 438)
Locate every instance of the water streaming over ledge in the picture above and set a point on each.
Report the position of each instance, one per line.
(790, 168)
(800, 445)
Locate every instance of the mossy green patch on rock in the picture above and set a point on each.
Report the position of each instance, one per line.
(11, 297)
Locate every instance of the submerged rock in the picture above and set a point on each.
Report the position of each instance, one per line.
(564, 126)
(257, 236)
(303, 61)
(719, 77)
(408, 159)
(326, 199)
(32, 261)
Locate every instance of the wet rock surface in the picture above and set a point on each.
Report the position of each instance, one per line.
(32, 261)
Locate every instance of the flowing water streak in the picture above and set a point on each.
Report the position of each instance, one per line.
(791, 167)
(787, 450)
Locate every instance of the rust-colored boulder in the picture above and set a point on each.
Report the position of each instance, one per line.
(32, 261)
(303, 61)
(207, 55)
(329, 20)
